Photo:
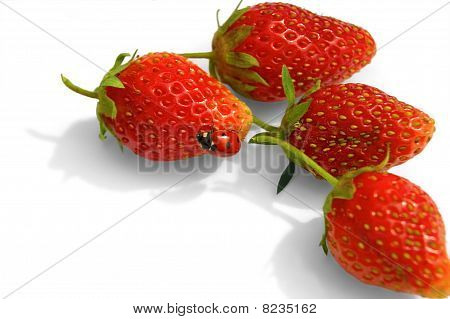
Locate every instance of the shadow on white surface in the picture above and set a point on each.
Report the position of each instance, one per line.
(297, 261)
(80, 153)
(303, 271)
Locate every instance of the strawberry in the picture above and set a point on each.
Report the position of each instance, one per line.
(344, 127)
(251, 47)
(158, 104)
(381, 228)
(386, 231)
(347, 126)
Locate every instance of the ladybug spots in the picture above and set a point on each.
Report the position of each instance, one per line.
(219, 142)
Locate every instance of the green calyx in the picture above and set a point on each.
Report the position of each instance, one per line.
(295, 111)
(235, 67)
(105, 106)
(235, 15)
(345, 189)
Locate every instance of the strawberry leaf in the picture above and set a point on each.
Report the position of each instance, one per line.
(236, 36)
(112, 81)
(105, 105)
(119, 60)
(249, 75)
(314, 88)
(237, 13)
(118, 66)
(241, 60)
(293, 115)
(102, 128)
(237, 84)
(286, 177)
(212, 69)
(323, 241)
(288, 86)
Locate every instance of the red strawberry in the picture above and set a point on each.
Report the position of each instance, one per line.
(345, 127)
(349, 126)
(157, 104)
(389, 234)
(381, 228)
(251, 47)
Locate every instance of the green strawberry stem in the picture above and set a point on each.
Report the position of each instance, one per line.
(199, 55)
(264, 125)
(77, 89)
(295, 155)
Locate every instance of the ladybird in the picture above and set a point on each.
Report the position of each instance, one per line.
(221, 142)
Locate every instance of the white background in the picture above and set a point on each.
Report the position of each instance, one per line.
(219, 235)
